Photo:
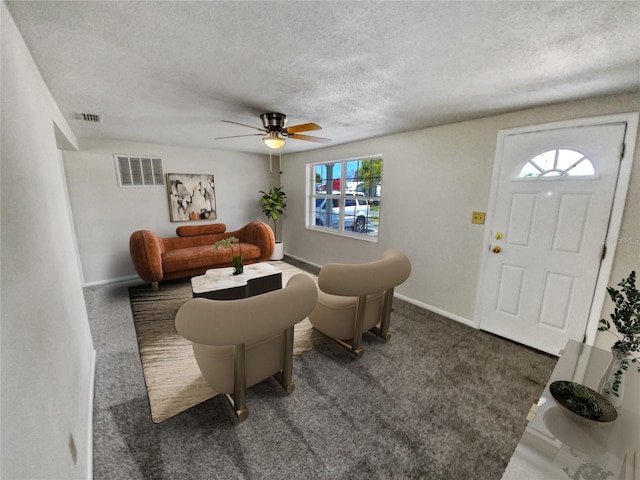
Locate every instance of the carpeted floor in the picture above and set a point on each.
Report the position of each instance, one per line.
(438, 401)
(172, 377)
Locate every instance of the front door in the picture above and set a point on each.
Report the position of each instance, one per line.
(548, 228)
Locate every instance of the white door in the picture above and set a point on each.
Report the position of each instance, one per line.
(548, 228)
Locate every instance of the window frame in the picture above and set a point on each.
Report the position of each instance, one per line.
(372, 202)
(562, 173)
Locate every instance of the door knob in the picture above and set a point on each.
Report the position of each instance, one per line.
(496, 249)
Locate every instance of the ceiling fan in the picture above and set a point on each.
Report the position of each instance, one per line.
(275, 134)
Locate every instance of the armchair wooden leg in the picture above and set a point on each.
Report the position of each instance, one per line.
(385, 317)
(358, 325)
(284, 377)
(154, 286)
(238, 400)
(355, 351)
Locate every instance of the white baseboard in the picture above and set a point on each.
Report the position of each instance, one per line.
(437, 310)
(133, 279)
(431, 308)
(303, 260)
(136, 280)
(89, 442)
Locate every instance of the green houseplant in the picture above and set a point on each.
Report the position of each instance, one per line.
(273, 206)
(626, 319)
(236, 257)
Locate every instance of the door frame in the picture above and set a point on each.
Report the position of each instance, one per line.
(617, 209)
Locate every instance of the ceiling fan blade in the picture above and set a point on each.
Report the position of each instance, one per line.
(309, 138)
(304, 127)
(236, 136)
(244, 125)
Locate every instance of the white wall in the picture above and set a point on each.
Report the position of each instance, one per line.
(433, 179)
(47, 352)
(105, 215)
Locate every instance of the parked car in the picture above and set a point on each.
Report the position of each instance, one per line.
(355, 212)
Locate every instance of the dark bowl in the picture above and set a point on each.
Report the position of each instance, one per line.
(582, 402)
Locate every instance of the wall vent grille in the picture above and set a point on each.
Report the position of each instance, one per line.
(139, 171)
(89, 117)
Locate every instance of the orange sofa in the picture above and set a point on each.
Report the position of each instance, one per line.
(192, 252)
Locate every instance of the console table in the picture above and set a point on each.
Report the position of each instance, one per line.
(555, 446)
(222, 284)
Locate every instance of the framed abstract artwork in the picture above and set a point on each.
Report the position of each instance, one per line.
(191, 197)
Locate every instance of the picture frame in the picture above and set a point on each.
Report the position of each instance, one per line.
(191, 197)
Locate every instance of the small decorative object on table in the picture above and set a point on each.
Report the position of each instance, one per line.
(236, 257)
(580, 400)
(626, 318)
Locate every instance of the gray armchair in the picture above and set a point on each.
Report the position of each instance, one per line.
(238, 343)
(355, 298)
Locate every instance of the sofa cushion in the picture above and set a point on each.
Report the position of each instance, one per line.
(204, 256)
(193, 230)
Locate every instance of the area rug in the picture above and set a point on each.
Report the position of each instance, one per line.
(172, 377)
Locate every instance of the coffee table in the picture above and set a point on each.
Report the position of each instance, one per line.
(222, 284)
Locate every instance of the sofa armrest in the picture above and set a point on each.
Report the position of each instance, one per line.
(257, 233)
(146, 250)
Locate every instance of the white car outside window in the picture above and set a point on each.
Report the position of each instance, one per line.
(355, 212)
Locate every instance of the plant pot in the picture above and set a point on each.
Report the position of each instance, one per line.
(237, 264)
(612, 383)
(278, 252)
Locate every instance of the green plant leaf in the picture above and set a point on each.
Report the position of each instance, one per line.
(225, 243)
(625, 316)
(274, 205)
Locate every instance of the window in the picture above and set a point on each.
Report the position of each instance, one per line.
(344, 196)
(139, 171)
(559, 162)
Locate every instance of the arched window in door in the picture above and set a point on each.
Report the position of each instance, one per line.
(559, 162)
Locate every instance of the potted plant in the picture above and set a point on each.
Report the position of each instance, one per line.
(273, 206)
(626, 318)
(236, 257)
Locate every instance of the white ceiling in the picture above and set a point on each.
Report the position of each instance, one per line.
(169, 72)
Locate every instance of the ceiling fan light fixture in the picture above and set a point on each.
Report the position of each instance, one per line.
(274, 141)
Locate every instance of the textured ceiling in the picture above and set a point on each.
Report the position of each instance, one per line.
(169, 72)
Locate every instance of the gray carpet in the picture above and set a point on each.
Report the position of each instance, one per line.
(438, 401)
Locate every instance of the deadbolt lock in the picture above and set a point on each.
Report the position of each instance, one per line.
(499, 236)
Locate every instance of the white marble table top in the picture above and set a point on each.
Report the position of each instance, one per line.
(556, 446)
(223, 278)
